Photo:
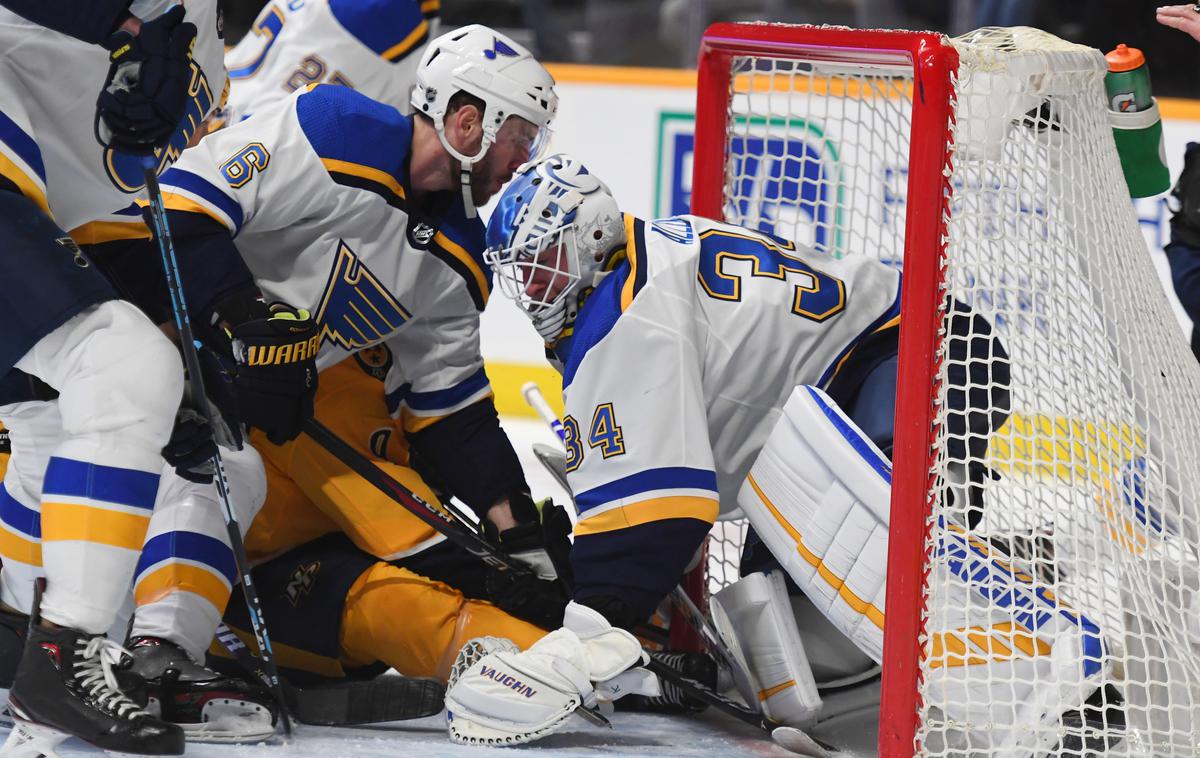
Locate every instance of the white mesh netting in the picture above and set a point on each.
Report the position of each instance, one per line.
(1090, 484)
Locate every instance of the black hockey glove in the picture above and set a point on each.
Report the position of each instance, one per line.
(1185, 221)
(145, 95)
(191, 448)
(541, 540)
(273, 378)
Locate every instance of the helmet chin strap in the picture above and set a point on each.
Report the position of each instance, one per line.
(465, 163)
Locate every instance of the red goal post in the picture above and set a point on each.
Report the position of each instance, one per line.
(933, 64)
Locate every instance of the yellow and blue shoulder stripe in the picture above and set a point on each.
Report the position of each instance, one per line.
(362, 143)
(392, 29)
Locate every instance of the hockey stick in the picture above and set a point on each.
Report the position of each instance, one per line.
(388, 697)
(187, 343)
(439, 520)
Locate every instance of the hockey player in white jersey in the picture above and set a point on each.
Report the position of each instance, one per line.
(367, 217)
(699, 361)
(373, 46)
(88, 91)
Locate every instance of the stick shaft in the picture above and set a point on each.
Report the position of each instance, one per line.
(191, 359)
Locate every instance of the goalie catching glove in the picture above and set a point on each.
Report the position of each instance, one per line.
(273, 377)
(509, 698)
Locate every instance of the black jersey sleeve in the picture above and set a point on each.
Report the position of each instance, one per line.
(468, 454)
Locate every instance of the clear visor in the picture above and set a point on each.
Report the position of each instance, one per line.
(539, 273)
(520, 133)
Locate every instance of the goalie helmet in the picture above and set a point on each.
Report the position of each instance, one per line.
(493, 68)
(551, 239)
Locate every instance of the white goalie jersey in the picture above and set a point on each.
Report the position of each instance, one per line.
(718, 324)
(373, 46)
(315, 192)
(49, 83)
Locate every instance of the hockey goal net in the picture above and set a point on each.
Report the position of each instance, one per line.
(985, 168)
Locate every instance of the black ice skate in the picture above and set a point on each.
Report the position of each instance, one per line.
(65, 686)
(208, 706)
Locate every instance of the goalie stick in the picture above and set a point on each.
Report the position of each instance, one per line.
(187, 344)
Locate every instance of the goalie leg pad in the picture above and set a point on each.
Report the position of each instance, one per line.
(819, 496)
(755, 618)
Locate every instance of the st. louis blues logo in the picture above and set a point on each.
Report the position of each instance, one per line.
(499, 48)
(357, 310)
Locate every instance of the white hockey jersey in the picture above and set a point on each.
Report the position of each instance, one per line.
(373, 46)
(315, 191)
(49, 83)
(682, 358)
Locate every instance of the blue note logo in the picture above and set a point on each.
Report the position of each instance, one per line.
(499, 48)
(356, 309)
(782, 178)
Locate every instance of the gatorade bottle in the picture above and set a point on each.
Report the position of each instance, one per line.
(1128, 80)
(1136, 123)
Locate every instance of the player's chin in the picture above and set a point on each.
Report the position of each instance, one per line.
(485, 191)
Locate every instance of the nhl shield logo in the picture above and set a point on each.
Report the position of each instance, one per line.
(422, 233)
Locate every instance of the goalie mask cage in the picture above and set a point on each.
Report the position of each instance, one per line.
(985, 167)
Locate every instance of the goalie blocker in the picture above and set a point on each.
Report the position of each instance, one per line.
(818, 496)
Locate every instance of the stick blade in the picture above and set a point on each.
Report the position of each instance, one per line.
(798, 742)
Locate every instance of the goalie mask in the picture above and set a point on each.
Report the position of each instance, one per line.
(505, 76)
(550, 239)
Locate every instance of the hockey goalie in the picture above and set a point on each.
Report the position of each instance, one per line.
(707, 368)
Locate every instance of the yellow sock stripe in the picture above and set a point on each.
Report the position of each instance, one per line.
(65, 522)
(833, 580)
(655, 509)
(182, 577)
(19, 550)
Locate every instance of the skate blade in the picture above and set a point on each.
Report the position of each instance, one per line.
(230, 720)
(29, 740)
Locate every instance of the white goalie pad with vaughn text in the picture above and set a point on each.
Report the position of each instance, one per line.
(819, 497)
